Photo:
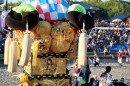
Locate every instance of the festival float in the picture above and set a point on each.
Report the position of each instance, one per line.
(44, 40)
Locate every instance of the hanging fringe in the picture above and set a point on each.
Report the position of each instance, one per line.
(26, 50)
(12, 66)
(6, 49)
(82, 48)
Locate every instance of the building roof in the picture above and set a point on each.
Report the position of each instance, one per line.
(122, 17)
(84, 5)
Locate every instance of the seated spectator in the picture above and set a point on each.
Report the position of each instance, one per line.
(105, 51)
(90, 35)
(89, 48)
(111, 43)
(94, 44)
(99, 47)
(128, 41)
(96, 61)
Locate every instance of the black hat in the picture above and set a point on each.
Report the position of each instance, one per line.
(18, 22)
(77, 14)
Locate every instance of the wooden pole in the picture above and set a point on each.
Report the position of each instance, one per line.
(75, 50)
(119, 9)
(6, 5)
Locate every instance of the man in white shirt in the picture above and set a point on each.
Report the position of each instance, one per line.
(96, 61)
(106, 78)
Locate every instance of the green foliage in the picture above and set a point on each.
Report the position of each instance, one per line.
(10, 5)
(109, 8)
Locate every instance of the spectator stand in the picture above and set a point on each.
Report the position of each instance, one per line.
(126, 44)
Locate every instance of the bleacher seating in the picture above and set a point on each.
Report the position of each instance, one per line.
(126, 44)
(117, 47)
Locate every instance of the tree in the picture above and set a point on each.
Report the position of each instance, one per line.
(10, 5)
(109, 8)
(68, 1)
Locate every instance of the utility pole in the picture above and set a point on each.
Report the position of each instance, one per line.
(6, 5)
(119, 9)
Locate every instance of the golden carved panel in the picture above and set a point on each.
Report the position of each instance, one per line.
(49, 82)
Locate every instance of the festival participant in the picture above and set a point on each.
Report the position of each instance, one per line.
(119, 55)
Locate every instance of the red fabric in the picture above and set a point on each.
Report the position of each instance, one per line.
(47, 15)
(58, 1)
(40, 11)
(76, 70)
(119, 54)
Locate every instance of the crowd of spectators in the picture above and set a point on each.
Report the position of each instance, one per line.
(105, 23)
(99, 40)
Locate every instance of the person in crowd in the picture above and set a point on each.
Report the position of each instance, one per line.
(93, 44)
(128, 41)
(96, 81)
(119, 55)
(122, 80)
(106, 78)
(77, 72)
(120, 83)
(89, 48)
(91, 82)
(1, 43)
(88, 71)
(105, 51)
(125, 35)
(127, 53)
(96, 61)
(90, 35)
(81, 74)
(111, 43)
(99, 47)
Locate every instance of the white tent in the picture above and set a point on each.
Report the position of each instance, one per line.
(117, 20)
(111, 28)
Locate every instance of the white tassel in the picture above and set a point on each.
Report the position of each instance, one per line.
(12, 66)
(6, 49)
(82, 49)
(26, 48)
